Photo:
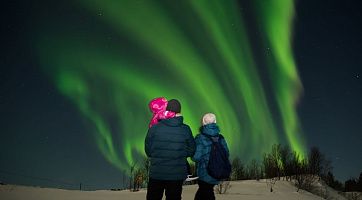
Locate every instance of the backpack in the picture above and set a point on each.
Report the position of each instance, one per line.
(219, 166)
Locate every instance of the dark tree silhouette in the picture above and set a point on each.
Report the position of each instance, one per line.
(360, 182)
(286, 156)
(237, 168)
(254, 169)
(316, 160)
(351, 185)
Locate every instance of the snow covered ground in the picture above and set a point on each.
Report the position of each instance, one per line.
(246, 190)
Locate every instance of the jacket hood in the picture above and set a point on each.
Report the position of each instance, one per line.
(174, 121)
(210, 129)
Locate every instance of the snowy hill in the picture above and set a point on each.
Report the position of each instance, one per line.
(246, 190)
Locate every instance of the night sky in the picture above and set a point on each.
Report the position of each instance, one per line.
(76, 77)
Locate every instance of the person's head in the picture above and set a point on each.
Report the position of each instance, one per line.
(174, 106)
(208, 118)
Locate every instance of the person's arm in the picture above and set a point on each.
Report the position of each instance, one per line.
(199, 150)
(148, 142)
(190, 142)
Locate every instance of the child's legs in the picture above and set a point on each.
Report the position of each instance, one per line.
(205, 191)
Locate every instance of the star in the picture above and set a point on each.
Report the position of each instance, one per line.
(267, 50)
(100, 13)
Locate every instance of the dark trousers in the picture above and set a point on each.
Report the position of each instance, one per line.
(156, 187)
(205, 191)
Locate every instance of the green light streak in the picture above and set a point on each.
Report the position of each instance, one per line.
(235, 51)
(216, 72)
(150, 27)
(276, 19)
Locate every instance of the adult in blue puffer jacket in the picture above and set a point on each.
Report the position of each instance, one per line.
(168, 144)
(203, 147)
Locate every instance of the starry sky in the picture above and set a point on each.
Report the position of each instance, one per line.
(76, 77)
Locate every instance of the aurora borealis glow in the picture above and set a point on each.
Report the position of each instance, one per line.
(277, 22)
(196, 51)
(76, 78)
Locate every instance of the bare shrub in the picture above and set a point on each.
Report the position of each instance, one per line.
(270, 182)
(222, 187)
(354, 195)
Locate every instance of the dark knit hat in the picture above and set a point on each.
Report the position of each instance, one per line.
(174, 106)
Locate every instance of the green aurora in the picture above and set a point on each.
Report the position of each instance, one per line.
(196, 51)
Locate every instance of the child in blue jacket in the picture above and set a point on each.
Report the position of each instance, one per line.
(201, 157)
